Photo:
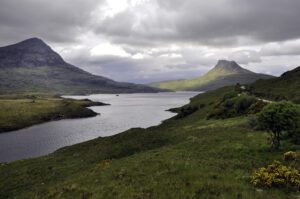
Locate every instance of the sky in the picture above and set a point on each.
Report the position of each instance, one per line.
(145, 41)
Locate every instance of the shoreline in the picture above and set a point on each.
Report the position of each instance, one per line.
(25, 111)
(51, 131)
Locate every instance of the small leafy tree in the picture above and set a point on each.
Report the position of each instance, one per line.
(278, 118)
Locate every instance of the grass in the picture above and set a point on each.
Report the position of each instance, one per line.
(285, 87)
(189, 157)
(19, 111)
(192, 84)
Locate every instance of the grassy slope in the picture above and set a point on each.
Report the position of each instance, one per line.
(191, 84)
(185, 158)
(19, 111)
(177, 85)
(287, 86)
(210, 81)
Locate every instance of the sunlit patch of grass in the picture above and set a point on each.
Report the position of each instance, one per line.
(22, 111)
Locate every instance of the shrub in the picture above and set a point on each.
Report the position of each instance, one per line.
(293, 159)
(276, 175)
(253, 122)
(256, 107)
(185, 111)
(290, 156)
(236, 105)
(230, 95)
(295, 135)
(278, 118)
(243, 103)
(202, 106)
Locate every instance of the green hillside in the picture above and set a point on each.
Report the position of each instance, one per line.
(287, 86)
(185, 157)
(225, 73)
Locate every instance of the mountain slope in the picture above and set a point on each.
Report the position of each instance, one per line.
(32, 66)
(287, 86)
(225, 73)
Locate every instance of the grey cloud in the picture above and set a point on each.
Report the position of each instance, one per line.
(55, 21)
(282, 48)
(245, 56)
(276, 65)
(132, 71)
(215, 22)
(205, 31)
(139, 71)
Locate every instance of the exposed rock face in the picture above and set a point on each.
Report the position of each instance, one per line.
(31, 52)
(32, 66)
(230, 67)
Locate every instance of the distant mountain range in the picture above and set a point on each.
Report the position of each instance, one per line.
(32, 66)
(225, 73)
(287, 86)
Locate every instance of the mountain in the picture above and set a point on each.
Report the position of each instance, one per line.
(287, 86)
(225, 73)
(32, 66)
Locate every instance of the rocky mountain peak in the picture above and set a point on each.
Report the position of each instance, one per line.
(33, 41)
(225, 66)
(30, 52)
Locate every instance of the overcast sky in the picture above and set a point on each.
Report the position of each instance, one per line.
(152, 40)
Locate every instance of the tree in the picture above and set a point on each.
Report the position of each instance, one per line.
(278, 118)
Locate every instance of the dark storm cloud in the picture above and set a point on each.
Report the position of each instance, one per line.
(55, 20)
(214, 22)
(251, 32)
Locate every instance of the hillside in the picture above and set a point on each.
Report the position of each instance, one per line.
(32, 66)
(225, 73)
(287, 86)
(189, 157)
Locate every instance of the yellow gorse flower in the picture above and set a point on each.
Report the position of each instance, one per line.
(276, 175)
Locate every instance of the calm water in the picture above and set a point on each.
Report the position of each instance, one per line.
(126, 111)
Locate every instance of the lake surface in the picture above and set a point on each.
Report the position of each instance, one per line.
(126, 111)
